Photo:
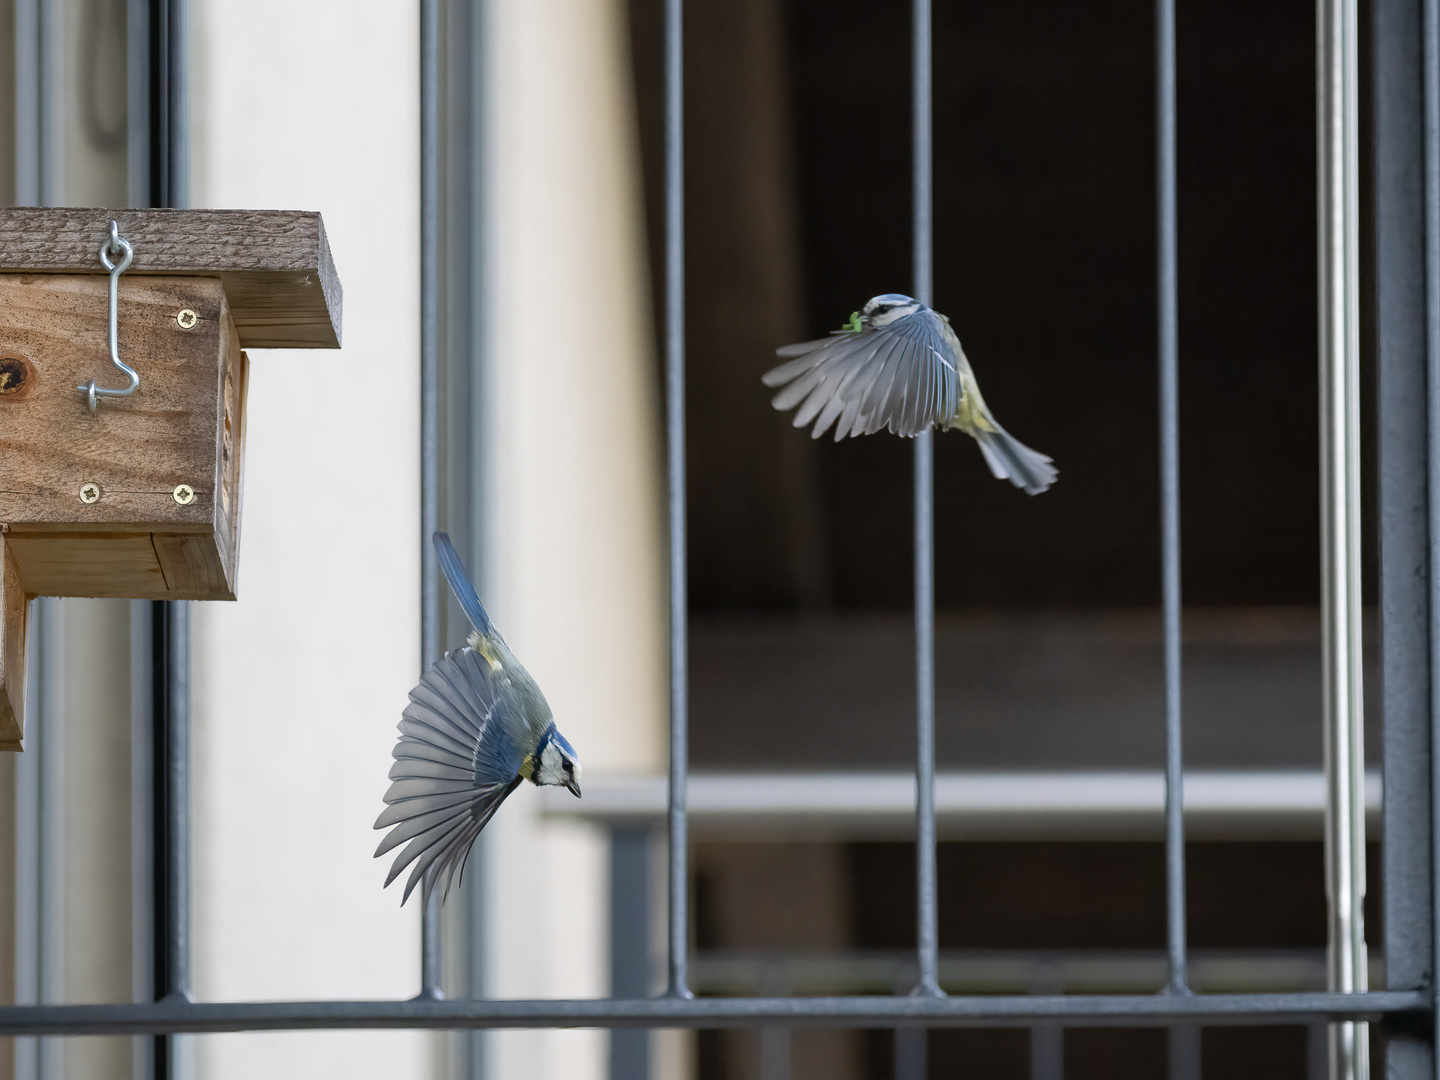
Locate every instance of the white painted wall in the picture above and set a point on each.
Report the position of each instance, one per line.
(575, 570)
(299, 684)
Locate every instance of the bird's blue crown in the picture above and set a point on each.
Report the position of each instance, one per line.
(553, 735)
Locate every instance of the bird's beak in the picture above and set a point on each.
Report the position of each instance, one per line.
(574, 786)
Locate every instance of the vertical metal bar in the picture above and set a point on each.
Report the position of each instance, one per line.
(161, 1046)
(630, 971)
(168, 177)
(1431, 96)
(775, 1053)
(679, 869)
(27, 58)
(1400, 283)
(169, 144)
(922, 167)
(909, 1043)
(1184, 1052)
(460, 502)
(27, 853)
(176, 766)
(776, 1057)
(1169, 347)
(137, 102)
(176, 163)
(142, 828)
(40, 841)
(1047, 1041)
(157, 104)
(39, 115)
(429, 410)
(170, 878)
(144, 803)
(911, 1059)
(1047, 1052)
(53, 803)
(169, 817)
(1338, 183)
(1317, 1055)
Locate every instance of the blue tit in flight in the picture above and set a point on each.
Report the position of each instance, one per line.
(475, 727)
(897, 364)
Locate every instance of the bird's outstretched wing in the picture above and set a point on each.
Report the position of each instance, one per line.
(454, 766)
(903, 376)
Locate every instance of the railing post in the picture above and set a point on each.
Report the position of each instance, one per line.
(1339, 243)
(1400, 181)
(679, 917)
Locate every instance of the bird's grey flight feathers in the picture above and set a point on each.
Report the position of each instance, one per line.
(803, 348)
(460, 585)
(454, 765)
(899, 377)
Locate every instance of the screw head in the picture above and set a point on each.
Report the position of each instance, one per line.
(187, 319)
(183, 494)
(89, 492)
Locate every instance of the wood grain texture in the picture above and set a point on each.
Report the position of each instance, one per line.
(192, 567)
(113, 565)
(275, 265)
(184, 425)
(138, 448)
(12, 650)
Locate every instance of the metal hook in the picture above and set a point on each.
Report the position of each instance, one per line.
(120, 246)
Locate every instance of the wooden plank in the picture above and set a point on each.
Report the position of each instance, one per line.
(136, 449)
(13, 610)
(275, 265)
(117, 565)
(192, 567)
(123, 565)
(20, 529)
(230, 454)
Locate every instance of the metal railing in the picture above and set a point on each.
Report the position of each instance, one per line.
(1408, 152)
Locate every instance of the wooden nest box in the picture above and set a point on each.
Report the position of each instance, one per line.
(139, 496)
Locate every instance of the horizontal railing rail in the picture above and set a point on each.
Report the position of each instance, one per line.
(176, 1016)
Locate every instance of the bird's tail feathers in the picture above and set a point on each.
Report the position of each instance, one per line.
(460, 585)
(1010, 459)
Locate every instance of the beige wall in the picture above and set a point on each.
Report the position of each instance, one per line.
(575, 577)
(299, 684)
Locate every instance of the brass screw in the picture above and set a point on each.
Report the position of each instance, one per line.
(184, 494)
(187, 318)
(89, 492)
